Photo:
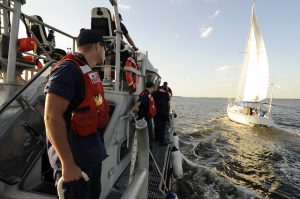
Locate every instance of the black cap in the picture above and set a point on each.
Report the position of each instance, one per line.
(165, 83)
(149, 84)
(89, 36)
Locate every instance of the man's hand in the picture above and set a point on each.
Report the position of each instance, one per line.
(71, 172)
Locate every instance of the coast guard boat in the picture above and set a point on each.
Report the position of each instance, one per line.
(25, 63)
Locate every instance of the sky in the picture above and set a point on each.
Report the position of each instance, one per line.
(196, 45)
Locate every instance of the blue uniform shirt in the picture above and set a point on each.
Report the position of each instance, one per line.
(123, 29)
(144, 107)
(67, 82)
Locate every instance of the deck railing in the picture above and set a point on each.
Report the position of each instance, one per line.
(138, 187)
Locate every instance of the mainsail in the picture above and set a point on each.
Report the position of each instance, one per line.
(254, 81)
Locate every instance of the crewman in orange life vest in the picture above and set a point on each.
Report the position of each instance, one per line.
(146, 109)
(75, 114)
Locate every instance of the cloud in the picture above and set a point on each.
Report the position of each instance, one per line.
(227, 68)
(206, 31)
(124, 7)
(214, 15)
(175, 36)
(223, 69)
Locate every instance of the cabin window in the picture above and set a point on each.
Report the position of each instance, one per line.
(153, 77)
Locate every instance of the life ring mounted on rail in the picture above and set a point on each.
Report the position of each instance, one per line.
(131, 77)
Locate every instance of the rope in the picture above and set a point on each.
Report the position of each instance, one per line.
(133, 158)
(134, 147)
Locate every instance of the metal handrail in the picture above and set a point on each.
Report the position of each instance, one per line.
(138, 187)
(48, 26)
(14, 34)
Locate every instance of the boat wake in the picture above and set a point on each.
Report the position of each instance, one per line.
(228, 160)
(201, 182)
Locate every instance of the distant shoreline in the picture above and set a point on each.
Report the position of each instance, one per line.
(227, 98)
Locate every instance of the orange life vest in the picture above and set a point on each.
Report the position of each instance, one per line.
(26, 44)
(93, 111)
(152, 110)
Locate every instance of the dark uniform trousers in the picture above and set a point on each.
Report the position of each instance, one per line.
(82, 189)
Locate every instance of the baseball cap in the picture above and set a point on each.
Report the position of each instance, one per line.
(90, 36)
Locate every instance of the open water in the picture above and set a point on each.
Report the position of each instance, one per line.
(222, 159)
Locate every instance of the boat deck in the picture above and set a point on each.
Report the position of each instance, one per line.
(156, 186)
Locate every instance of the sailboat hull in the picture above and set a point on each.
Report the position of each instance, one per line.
(235, 114)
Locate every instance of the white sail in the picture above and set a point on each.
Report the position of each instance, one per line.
(254, 81)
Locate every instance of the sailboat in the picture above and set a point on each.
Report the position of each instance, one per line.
(250, 106)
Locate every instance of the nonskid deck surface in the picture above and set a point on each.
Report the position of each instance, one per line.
(160, 154)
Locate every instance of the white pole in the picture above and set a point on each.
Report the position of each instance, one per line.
(5, 19)
(118, 45)
(11, 66)
(270, 105)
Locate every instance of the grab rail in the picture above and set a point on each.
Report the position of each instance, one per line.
(138, 184)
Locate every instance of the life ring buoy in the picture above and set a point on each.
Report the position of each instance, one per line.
(131, 78)
(34, 60)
